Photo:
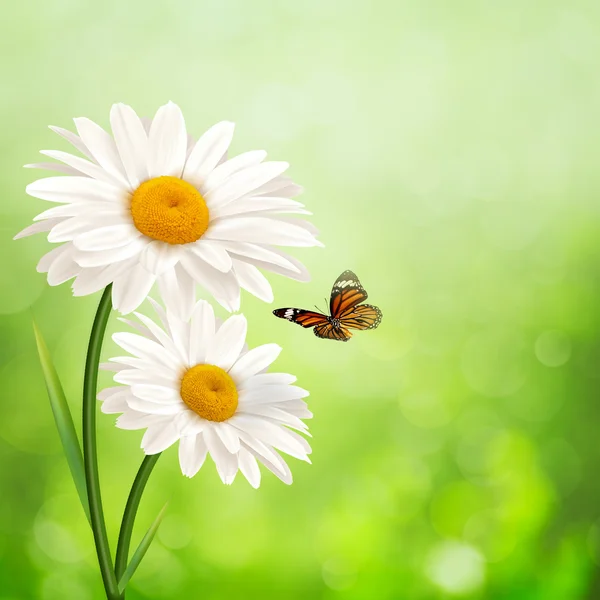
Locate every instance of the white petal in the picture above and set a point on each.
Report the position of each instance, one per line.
(130, 289)
(160, 311)
(254, 361)
(279, 186)
(48, 258)
(92, 279)
(159, 257)
(78, 209)
(258, 253)
(157, 393)
(146, 349)
(228, 436)
(202, 332)
(271, 393)
(269, 433)
(260, 230)
(131, 361)
(259, 449)
(177, 291)
(135, 376)
(106, 238)
(131, 141)
(180, 334)
(244, 182)
(275, 415)
(288, 189)
(252, 280)
(276, 465)
(132, 420)
(211, 253)
(229, 167)
(299, 272)
(159, 437)
(102, 147)
(154, 408)
(225, 462)
(267, 379)
(57, 167)
(228, 343)
(208, 152)
(83, 166)
(223, 286)
(257, 204)
(163, 338)
(117, 403)
(249, 467)
(68, 229)
(107, 257)
(110, 391)
(38, 227)
(74, 139)
(62, 269)
(167, 142)
(307, 225)
(192, 454)
(276, 469)
(189, 423)
(110, 367)
(74, 189)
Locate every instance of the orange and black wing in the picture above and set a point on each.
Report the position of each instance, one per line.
(347, 292)
(365, 316)
(329, 332)
(306, 318)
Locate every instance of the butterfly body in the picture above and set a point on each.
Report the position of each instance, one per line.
(346, 311)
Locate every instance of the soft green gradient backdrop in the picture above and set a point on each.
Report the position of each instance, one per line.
(450, 154)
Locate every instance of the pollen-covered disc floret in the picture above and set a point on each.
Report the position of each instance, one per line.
(196, 382)
(210, 392)
(169, 210)
(149, 204)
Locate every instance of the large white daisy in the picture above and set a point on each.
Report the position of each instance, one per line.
(150, 204)
(195, 381)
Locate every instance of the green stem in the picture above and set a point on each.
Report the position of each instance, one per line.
(133, 502)
(90, 451)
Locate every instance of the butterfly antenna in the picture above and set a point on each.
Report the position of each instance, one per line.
(325, 312)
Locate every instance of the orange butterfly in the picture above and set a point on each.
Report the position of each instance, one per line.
(346, 309)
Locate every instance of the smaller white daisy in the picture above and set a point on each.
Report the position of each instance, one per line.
(196, 382)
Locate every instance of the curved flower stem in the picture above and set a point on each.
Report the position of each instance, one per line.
(133, 502)
(90, 451)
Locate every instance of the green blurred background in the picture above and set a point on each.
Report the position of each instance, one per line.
(450, 154)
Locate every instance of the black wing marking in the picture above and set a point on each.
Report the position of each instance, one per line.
(347, 292)
(305, 318)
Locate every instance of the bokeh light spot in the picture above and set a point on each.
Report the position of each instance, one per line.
(338, 574)
(175, 532)
(553, 348)
(455, 567)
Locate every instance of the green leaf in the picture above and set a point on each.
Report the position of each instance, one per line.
(63, 419)
(141, 550)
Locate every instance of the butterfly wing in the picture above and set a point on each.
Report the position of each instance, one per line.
(347, 292)
(305, 318)
(329, 332)
(365, 316)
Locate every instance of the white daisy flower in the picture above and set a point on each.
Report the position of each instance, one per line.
(197, 383)
(149, 204)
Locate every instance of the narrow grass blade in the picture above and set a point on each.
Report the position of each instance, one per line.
(63, 419)
(141, 550)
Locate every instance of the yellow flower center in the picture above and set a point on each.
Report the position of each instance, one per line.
(209, 392)
(170, 210)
